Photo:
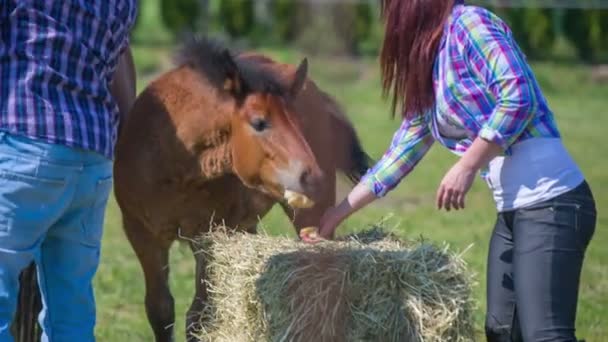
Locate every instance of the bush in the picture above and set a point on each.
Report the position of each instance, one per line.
(180, 15)
(364, 22)
(532, 28)
(284, 17)
(338, 27)
(353, 24)
(587, 30)
(237, 17)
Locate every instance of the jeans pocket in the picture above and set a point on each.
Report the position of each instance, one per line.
(578, 221)
(3, 225)
(93, 221)
(585, 226)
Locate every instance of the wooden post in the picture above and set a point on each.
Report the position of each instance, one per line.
(25, 326)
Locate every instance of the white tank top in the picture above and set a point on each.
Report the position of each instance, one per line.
(448, 128)
(538, 169)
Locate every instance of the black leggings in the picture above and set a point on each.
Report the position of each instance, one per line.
(534, 266)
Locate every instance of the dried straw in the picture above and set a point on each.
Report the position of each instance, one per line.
(366, 287)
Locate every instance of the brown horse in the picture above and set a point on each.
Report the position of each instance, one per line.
(220, 139)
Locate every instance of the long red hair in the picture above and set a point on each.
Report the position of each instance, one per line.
(413, 31)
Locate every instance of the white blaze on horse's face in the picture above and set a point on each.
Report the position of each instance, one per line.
(270, 152)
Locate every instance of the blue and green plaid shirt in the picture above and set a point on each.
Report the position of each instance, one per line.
(56, 62)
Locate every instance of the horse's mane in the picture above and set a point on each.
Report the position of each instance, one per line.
(215, 62)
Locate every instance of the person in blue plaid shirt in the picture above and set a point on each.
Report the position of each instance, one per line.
(66, 75)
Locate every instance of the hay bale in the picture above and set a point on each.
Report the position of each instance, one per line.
(367, 287)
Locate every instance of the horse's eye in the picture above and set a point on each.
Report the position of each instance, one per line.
(259, 124)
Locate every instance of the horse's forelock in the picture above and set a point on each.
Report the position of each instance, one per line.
(215, 63)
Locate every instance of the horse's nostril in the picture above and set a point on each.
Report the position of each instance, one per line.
(306, 177)
(310, 179)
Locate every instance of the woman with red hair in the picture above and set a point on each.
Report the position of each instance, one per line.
(461, 80)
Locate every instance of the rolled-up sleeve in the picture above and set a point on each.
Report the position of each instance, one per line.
(501, 65)
(409, 144)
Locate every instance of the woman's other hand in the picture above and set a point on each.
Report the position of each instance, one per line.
(458, 180)
(454, 187)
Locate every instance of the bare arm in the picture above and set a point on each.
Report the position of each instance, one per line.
(480, 153)
(457, 182)
(409, 145)
(123, 85)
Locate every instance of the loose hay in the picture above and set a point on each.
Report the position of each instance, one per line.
(367, 287)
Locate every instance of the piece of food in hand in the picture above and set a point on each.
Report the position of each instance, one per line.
(310, 234)
(297, 200)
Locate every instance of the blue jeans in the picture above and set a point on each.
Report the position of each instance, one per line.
(52, 206)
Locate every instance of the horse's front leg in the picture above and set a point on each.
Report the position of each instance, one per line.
(154, 258)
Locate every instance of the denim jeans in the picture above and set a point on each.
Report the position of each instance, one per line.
(52, 206)
(534, 266)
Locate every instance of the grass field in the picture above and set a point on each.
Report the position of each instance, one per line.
(580, 108)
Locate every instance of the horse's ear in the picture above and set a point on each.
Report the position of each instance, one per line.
(299, 78)
(232, 81)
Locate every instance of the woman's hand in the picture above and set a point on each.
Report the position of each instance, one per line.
(330, 221)
(358, 198)
(454, 187)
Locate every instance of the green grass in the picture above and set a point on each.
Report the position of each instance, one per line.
(580, 108)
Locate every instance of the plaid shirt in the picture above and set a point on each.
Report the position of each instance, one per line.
(56, 62)
(483, 85)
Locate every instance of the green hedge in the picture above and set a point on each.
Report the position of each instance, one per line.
(180, 15)
(356, 24)
(353, 24)
(284, 17)
(237, 17)
(587, 30)
(533, 28)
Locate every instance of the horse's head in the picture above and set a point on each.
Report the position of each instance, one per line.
(269, 151)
